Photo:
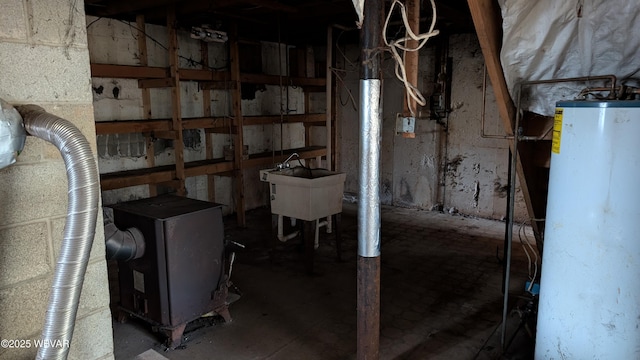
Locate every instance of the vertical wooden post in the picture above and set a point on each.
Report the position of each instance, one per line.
(307, 126)
(411, 57)
(329, 94)
(206, 112)
(333, 97)
(238, 145)
(487, 20)
(178, 143)
(146, 98)
(368, 279)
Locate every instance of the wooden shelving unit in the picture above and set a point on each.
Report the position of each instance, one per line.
(159, 77)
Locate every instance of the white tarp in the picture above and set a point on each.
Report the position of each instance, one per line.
(550, 39)
(359, 7)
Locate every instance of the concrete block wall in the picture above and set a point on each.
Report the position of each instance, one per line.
(114, 42)
(44, 60)
(476, 168)
(456, 170)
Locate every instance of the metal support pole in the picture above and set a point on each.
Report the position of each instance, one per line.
(368, 302)
(507, 235)
(511, 204)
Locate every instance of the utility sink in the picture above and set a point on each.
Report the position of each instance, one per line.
(303, 193)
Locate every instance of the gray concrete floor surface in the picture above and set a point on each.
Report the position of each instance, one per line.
(441, 295)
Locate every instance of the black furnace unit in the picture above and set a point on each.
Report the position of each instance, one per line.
(181, 275)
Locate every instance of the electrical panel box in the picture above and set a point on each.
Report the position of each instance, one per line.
(406, 126)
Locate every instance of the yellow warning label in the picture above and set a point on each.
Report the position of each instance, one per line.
(557, 131)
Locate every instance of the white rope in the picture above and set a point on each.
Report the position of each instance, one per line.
(401, 44)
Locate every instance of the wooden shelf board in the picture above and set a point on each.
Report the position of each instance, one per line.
(154, 72)
(122, 179)
(207, 167)
(206, 123)
(267, 158)
(128, 71)
(275, 119)
(160, 174)
(141, 126)
(132, 126)
(286, 80)
(156, 83)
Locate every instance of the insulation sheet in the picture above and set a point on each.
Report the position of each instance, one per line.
(551, 39)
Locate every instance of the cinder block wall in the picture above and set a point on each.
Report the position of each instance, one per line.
(44, 60)
(456, 169)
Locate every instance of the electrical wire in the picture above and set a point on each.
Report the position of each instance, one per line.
(525, 251)
(395, 46)
(353, 67)
(535, 262)
(281, 89)
(190, 60)
(526, 241)
(341, 80)
(352, 64)
(94, 21)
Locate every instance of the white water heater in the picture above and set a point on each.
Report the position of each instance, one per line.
(590, 285)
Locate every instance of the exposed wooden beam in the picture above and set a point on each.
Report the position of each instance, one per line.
(328, 109)
(487, 21)
(411, 57)
(118, 7)
(206, 111)
(236, 99)
(272, 4)
(149, 141)
(447, 13)
(176, 104)
(200, 7)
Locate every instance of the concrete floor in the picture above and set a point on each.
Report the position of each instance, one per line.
(440, 295)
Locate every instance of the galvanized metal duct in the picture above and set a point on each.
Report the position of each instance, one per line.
(122, 245)
(79, 228)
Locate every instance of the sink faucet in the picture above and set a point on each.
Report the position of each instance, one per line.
(285, 164)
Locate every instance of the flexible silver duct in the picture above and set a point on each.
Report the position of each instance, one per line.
(79, 229)
(122, 245)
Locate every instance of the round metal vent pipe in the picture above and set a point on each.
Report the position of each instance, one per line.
(79, 229)
(122, 245)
